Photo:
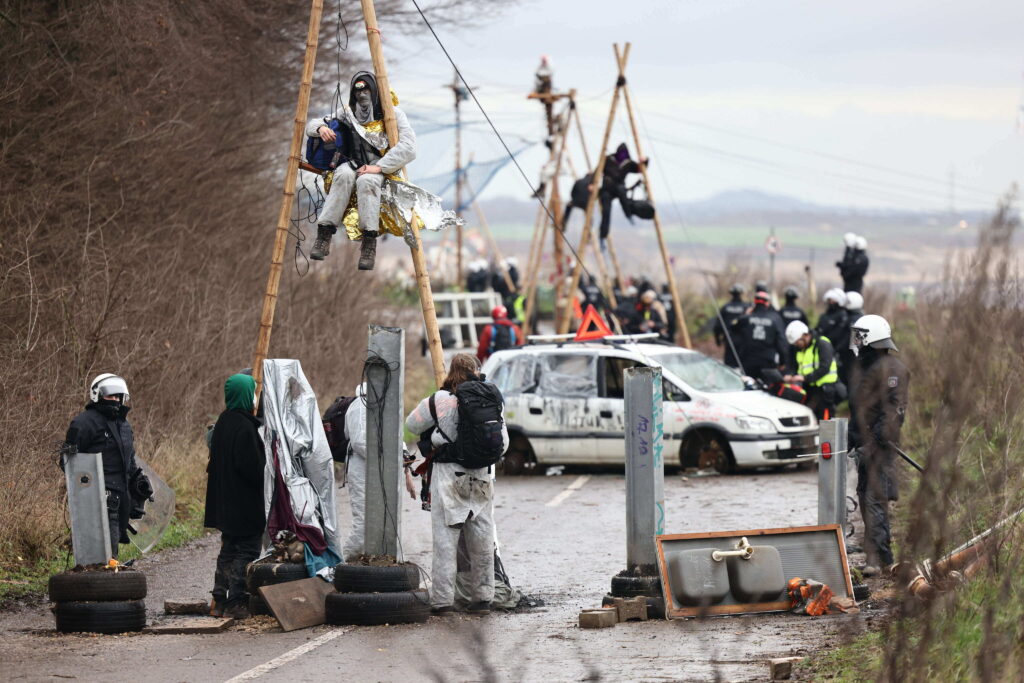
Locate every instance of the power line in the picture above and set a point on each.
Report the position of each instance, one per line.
(508, 151)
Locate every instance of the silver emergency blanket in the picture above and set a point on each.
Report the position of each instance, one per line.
(290, 413)
(401, 200)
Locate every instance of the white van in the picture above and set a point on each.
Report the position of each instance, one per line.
(564, 405)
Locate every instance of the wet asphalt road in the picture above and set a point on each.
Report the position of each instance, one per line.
(561, 547)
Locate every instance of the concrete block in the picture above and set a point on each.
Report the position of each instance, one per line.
(179, 625)
(628, 609)
(782, 669)
(186, 607)
(604, 617)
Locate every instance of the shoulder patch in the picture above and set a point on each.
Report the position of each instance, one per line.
(894, 382)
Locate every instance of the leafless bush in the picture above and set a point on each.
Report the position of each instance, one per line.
(142, 147)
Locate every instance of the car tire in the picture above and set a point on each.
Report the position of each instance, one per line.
(698, 442)
(257, 605)
(520, 459)
(630, 586)
(269, 573)
(861, 592)
(367, 609)
(96, 586)
(117, 616)
(356, 578)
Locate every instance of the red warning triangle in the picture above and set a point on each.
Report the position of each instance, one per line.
(592, 327)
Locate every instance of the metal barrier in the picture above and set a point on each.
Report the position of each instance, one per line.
(832, 466)
(461, 313)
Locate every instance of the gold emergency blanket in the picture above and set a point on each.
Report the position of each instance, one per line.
(402, 202)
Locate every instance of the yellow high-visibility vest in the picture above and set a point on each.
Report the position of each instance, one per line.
(807, 363)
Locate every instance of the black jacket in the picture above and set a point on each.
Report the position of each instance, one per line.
(234, 487)
(853, 268)
(102, 428)
(791, 312)
(729, 313)
(879, 394)
(761, 339)
(834, 324)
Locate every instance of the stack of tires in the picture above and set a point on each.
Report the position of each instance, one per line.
(267, 574)
(369, 595)
(99, 601)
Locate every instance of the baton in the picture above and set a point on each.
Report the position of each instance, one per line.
(907, 458)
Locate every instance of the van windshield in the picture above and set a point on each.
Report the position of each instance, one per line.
(701, 372)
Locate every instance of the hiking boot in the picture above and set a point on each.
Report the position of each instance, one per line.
(480, 607)
(238, 611)
(445, 611)
(368, 251)
(216, 608)
(322, 245)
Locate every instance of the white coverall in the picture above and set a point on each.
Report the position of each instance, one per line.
(355, 464)
(461, 500)
(368, 185)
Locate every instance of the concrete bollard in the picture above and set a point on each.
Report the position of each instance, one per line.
(832, 465)
(645, 468)
(384, 416)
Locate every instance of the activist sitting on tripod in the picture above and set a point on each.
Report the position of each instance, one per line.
(465, 426)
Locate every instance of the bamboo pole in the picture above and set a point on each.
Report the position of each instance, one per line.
(682, 333)
(615, 260)
(458, 181)
(287, 198)
(391, 127)
(541, 230)
(563, 327)
(579, 129)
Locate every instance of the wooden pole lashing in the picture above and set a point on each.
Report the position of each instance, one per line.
(287, 198)
(391, 127)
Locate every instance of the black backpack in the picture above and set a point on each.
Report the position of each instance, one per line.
(478, 442)
(502, 337)
(334, 427)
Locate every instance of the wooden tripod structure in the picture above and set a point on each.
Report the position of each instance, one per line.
(294, 161)
(622, 89)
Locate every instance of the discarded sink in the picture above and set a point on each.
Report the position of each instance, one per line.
(697, 579)
(759, 577)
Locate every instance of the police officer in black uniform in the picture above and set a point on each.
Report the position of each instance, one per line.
(103, 428)
(880, 387)
(791, 311)
(761, 341)
(727, 315)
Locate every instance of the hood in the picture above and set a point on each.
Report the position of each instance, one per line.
(240, 392)
(759, 404)
(371, 81)
(621, 153)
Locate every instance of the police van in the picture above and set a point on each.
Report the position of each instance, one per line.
(564, 405)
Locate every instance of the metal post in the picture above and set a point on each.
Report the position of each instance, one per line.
(385, 382)
(645, 468)
(87, 503)
(832, 472)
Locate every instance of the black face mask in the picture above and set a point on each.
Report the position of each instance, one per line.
(112, 410)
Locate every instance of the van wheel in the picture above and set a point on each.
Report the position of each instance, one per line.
(705, 449)
(519, 459)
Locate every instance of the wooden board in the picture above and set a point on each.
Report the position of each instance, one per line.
(178, 625)
(297, 604)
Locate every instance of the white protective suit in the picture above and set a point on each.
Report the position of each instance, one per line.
(368, 185)
(355, 466)
(461, 500)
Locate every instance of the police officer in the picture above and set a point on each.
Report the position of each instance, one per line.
(727, 315)
(834, 323)
(814, 365)
(761, 340)
(879, 394)
(854, 312)
(103, 428)
(791, 311)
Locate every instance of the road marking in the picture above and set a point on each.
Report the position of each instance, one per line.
(569, 490)
(287, 656)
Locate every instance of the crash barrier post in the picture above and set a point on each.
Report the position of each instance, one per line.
(832, 465)
(87, 504)
(385, 384)
(645, 468)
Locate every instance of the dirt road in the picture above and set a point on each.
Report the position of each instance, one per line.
(562, 548)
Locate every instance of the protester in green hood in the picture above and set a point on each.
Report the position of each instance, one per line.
(240, 392)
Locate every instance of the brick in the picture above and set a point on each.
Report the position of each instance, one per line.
(604, 617)
(782, 669)
(631, 608)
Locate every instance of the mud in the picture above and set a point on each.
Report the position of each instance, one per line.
(565, 554)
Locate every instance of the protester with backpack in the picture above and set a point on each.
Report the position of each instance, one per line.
(466, 428)
(499, 335)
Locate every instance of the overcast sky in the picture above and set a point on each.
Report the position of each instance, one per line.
(815, 100)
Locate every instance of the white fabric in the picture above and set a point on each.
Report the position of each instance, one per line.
(292, 419)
